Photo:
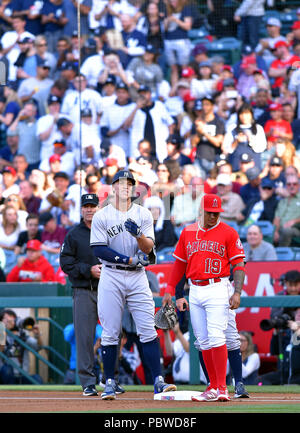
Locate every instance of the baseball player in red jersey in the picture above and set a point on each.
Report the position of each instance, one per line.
(205, 251)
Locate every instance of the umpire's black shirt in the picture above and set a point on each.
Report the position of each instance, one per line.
(77, 258)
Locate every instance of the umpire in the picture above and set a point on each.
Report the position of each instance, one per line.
(78, 261)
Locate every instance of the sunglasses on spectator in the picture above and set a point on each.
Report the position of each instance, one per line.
(292, 184)
(267, 187)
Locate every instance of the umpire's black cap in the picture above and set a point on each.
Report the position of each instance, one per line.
(89, 199)
(123, 174)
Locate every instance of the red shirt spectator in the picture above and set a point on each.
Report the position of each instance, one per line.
(35, 267)
(278, 68)
(277, 127)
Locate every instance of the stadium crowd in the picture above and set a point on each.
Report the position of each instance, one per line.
(135, 91)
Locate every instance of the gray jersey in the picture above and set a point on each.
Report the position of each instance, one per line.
(108, 228)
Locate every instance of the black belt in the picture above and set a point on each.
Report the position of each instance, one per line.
(123, 268)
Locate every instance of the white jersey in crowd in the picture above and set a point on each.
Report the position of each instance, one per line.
(90, 99)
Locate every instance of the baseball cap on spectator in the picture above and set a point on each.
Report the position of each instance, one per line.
(122, 85)
(34, 244)
(276, 161)
(143, 88)
(45, 217)
(252, 173)
(43, 63)
(220, 160)
(182, 83)
(229, 82)
(75, 34)
(59, 143)
(199, 49)
(246, 158)
(26, 40)
(54, 158)
(247, 50)
(198, 105)
(110, 80)
(205, 63)
(89, 199)
(9, 169)
(109, 162)
(187, 72)
(86, 112)
(90, 43)
(211, 203)
(227, 68)
(68, 66)
(275, 106)
(207, 98)
(53, 99)
(296, 25)
(61, 174)
(174, 139)
(266, 183)
(150, 49)
(281, 44)
(223, 179)
(188, 97)
(272, 21)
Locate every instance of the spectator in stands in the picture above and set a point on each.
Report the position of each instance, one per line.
(27, 60)
(263, 207)
(165, 187)
(53, 19)
(151, 24)
(250, 190)
(40, 184)
(16, 201)
(204, 84)
(26, 123)
(260, 106)
(16, 352)
(265, 47)
(116, 120)
(185, 207)
(31, 86)
(293, 37)
(279, 68)
(287, 215)
(174, 150)
(207, 133)
(32, 232)
(31, 201)
(178, 22)
(281, 342)
(144, 148)
(289, 114)
(198, 55)
(20, 164)
(275, 173)
(9, 232)
(89, 99)
(250, 359)
(163, 228)
(53, 201)
(277, 127)
(9, 42)
(256, 248)
(53, 236)
(42, 51)
(71, 11)
(134, 41)
(186, 118)
(246, 80)
(9, 177)
(244, 136)
(46, 128)
(249, 14)
(35, 267)
(246, 162)
(286, 152)
(151, 122)
(11, 148)
(111, 68)
(67, 159)
(145, 71)
(232, 203)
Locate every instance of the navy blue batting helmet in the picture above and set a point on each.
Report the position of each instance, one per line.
(123, 174)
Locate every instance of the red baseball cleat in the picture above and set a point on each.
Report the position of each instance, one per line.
(223, 394)
(210, 394)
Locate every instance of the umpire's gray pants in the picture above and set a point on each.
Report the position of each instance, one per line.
(85, 318)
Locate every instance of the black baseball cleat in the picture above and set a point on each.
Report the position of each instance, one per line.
(109, 392)
(240, 391)
(89, 391)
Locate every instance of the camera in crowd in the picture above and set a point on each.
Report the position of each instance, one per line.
(26, 323)
(278, 322)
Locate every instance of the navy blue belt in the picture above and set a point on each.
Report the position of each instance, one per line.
(123, 268)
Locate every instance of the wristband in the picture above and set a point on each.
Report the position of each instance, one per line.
(239, 268)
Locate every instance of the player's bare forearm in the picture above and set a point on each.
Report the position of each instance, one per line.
(238, 279)
(145, 244)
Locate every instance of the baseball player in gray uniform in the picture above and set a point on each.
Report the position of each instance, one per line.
(122, 236)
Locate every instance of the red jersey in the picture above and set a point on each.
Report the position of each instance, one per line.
(283, 64)
(209, 252)
(28, 270)
(281, 126)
